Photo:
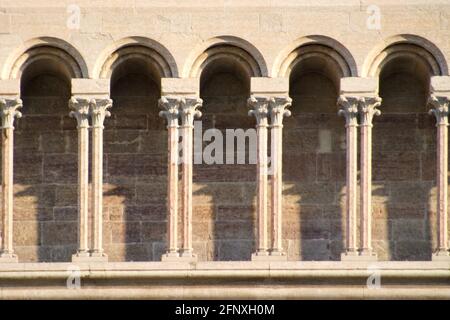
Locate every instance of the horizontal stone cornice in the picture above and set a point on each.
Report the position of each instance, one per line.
(238, 280)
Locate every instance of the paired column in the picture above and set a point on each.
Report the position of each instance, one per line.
(269, 101)
(359, 101)
(174, 108)
(9, 112)
(275, 108)
(179, 102)
(349, 109)
(260, 110)
(90, 106)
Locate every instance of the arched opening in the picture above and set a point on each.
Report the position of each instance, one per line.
(404, 153)
(314, 158)
(224, 192)
(45, 164)
(136, 161)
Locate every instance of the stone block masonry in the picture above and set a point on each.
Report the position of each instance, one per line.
(349, 106)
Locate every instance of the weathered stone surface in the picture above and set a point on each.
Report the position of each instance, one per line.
(59, 233)
(224, 196)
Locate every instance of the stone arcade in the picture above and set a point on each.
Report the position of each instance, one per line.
(354, 122)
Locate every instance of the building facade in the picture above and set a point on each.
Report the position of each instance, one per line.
(348, 107)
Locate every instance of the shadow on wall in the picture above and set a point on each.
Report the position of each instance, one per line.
(404, 166)
(224, 194)
(45, 172)
(136, 170)
(313, 168)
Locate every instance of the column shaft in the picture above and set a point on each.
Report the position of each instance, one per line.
(262, 187)
(7, 190)
(83, 189)
(366, 189)
(351, 188)
(97, 188)
(172, 190)
(276, 189)
(187, 189)
(442, 183)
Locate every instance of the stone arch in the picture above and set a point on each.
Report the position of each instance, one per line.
(46, 140)
(242, 51)
(313, 135)
(135, 146)
(154, 55)
(60, 55)
(413, 46)
(315, 45)
(404, 146)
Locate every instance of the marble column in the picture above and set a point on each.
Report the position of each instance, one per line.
(80, 111)
(367, 108)
(188, 111)
(278, 110)
(170, 106)
(260, 110)
(349, 109)
(439, 109)
(9, 111)
(98, 111)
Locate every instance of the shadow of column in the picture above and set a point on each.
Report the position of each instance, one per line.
(404, 170)
(45, 181)
(224, 195)
(314, 185)
(135, 179)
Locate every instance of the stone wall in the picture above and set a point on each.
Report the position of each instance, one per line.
(224, 198)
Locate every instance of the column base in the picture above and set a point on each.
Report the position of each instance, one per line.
(368, 255)
(188, 255)
(362, 256)
(269, 256)
(441, 255)
(85, 257)
(349, 255)
(170, 256)
(8, 258)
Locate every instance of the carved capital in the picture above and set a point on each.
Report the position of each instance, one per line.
(260, 109)
(80, 111)
(170, 106)
(368, 109)
(349, 109)
(439, 109)
(99, 111)
(9, 111)
(188, 110)
(278, 109)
